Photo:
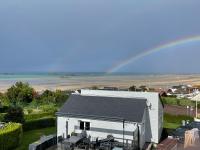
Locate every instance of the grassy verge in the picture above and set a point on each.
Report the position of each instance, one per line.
(34, 135)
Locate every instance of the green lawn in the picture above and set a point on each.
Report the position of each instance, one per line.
(168, 125)
(175, 121)
(34, 135)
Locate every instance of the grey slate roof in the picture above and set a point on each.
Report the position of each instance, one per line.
(128, 109)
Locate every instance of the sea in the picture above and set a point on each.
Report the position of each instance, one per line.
(63, 81)
(72, 81)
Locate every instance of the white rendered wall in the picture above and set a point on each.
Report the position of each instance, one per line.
(73, 123)
(61, 127)
(153, 122)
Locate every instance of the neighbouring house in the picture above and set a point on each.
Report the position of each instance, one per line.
(163, 93)
(171, 91)
(130, 117)
(183, 91)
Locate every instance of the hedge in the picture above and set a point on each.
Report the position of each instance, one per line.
(38, 116)
(39, 123)
(177, 102)
(10, 136)
(30, 116)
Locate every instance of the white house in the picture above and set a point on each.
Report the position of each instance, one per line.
(131, 117)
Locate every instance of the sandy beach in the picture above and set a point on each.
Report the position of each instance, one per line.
(41, 83)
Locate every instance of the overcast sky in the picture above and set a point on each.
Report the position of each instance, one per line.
(95, 35)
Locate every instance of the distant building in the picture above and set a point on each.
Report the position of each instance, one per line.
(183, 91)
(131, 117)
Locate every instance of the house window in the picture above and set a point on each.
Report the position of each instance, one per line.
(84, 125)
(81, 125)
(87, 126)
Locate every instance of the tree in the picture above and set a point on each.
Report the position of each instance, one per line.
(4, 99)
(47, 97)
(14, 114)
(132, 88)
(94, 87)
(60, 96)
(144, 88)
(47, 93)
(53, 97)
(20, 92)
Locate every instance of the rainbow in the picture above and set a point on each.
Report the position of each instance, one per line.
(158, 48)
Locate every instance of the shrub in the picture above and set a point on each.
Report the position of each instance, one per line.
(29, 110)
(34, 104)
(20, 92)
(47, 100)
(169, 100)
(178, 102)
(15, 114)
(4, 99)
(186, 102)
(47, 93)
(60, 96)
(94, 87)
(132, 88)
(10, 136)
(49, 108)
(57, 97)
(39, 123)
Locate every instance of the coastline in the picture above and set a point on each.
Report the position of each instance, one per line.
(74, 82)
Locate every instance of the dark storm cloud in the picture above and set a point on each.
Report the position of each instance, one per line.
(88, 35)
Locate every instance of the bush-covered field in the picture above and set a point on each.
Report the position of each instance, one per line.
(10, 136)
